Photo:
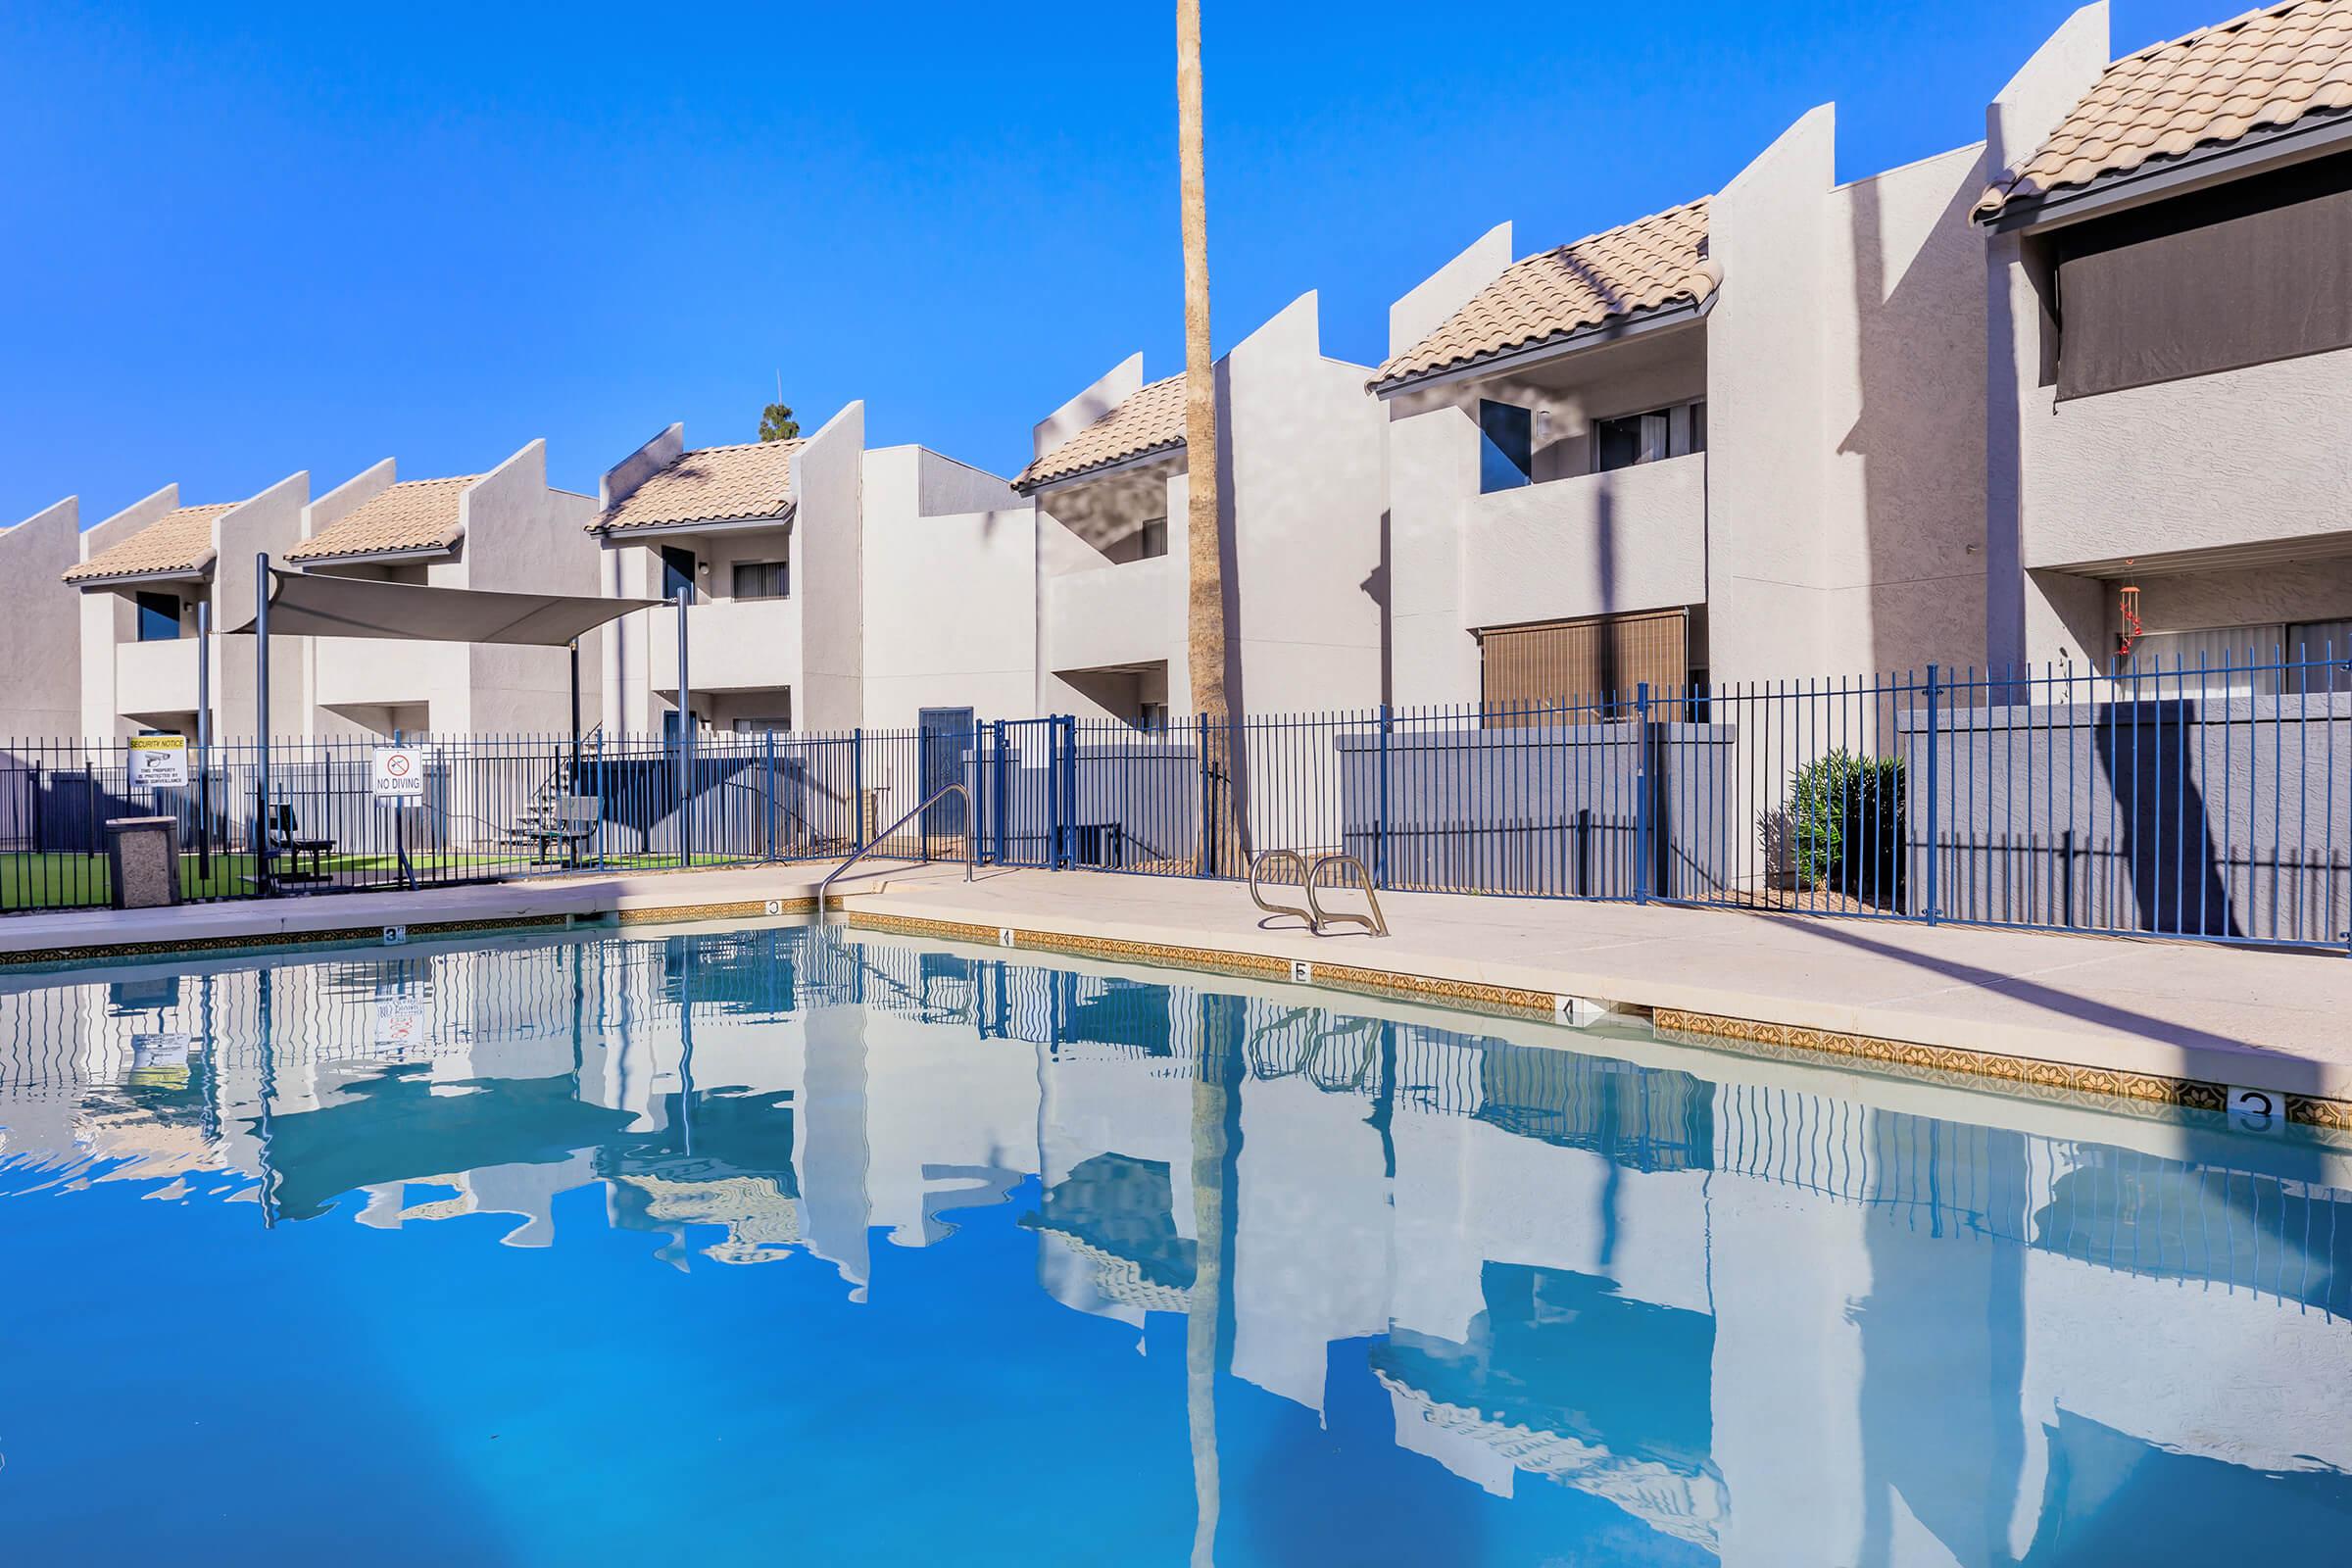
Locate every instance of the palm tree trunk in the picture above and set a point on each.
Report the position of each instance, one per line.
(1205, 546)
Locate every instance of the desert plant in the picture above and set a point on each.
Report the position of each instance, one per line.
(1845, 823)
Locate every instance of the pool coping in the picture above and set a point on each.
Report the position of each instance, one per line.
(790, 889)
(2031, 1075)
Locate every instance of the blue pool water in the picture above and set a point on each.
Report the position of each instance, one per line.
(779, 1245)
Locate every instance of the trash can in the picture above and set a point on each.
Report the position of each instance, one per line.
(142, 860)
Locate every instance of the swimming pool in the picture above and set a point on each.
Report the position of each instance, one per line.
(781, 1244)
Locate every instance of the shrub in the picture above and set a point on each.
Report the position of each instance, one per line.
(1846, 825)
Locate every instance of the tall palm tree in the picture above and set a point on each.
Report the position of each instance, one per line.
(1205, 619)
(1205, 546)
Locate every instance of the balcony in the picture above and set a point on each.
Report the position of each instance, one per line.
(733, 645)
(156, 677)
(1630, 539)
(1109, 616)
(372, 672)
(2236, 469)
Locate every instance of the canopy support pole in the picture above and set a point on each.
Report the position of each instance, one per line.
(260, 699)
(204, 741)
(685, 735)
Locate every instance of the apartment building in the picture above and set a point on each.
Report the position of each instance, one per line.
(2169, 381)
(143, 574)
(1298, 497)
(762, 540)
(832, 586)
(1733, 439)
(40, 636)
(506, 529)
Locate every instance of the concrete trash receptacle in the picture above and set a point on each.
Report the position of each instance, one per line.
(142, 861)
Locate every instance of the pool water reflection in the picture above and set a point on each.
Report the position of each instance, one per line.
(793, 1246)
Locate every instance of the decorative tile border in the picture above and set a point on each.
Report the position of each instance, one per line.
(2101, 1088)
(734, 910)
(2028, 1075)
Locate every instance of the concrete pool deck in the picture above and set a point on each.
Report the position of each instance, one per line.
(2151, 1019)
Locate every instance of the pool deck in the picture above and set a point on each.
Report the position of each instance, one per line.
(2095, 1013)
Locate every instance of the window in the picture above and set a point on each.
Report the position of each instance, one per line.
(1153, 540)
(159, 617)
(677, 570)
(1648, 437)
(762, 580)
(1151, 715)
(1507, 446)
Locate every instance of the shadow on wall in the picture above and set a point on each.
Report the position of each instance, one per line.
(2161, 815)
(1918, 431)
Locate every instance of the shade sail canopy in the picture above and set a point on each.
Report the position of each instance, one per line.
(303, 605)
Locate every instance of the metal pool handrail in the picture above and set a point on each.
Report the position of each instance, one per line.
(1374, 922)
(1310, 866)
(971, 842)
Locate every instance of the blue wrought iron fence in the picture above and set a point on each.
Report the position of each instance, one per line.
(2210, 801)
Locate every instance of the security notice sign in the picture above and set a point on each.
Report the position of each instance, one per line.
(159, 762)
(399, 774)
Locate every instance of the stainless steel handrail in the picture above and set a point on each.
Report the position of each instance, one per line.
(971, 841)
(1310, 866)
(1258, 862)
(1374, 922)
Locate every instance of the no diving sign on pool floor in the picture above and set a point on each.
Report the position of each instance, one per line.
(399, 774)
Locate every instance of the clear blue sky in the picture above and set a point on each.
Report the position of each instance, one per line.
(242, 244)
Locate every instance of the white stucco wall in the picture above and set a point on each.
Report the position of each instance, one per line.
(40, 632)
(2024, 618)
(828, 571)
(1300, 499)
(951, 590)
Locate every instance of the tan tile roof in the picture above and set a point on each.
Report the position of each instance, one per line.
(1148, 419)
(2264, 71)
(1642, 266)
(411, 514)
(715, 484)
(176, 541)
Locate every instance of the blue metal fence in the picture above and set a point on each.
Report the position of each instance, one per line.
(2211, 800)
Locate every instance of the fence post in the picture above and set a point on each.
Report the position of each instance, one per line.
(1380, 844)
(1208, 811)
(998, 806)
(1641, 822)
(1065, 728)
(1932, 789)
(772, 795)
(858, 788)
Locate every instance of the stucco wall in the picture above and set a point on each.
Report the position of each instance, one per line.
(524, 537)
(40, 634)
(828, 571)
(951, 590)
(1302, 452)
(2021, 620)
(1767, 373)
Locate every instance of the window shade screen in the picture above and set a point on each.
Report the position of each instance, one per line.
(2141, 306)
(1581, 662)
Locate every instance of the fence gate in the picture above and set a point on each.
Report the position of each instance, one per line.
(1020, 791)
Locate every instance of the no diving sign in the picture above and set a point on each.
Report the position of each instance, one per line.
(399, 774)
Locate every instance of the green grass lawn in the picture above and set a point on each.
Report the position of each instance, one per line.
(56, 881)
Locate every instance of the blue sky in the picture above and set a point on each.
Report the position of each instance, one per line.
(247, 242)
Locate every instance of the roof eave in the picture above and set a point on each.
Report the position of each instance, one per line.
(697, 526)
(1617, 330)
(363, 558)
(112, 579)
(1101, 470)
(2313, 136)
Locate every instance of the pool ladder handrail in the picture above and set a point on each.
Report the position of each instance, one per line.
(1312, 864)
(971, 842)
